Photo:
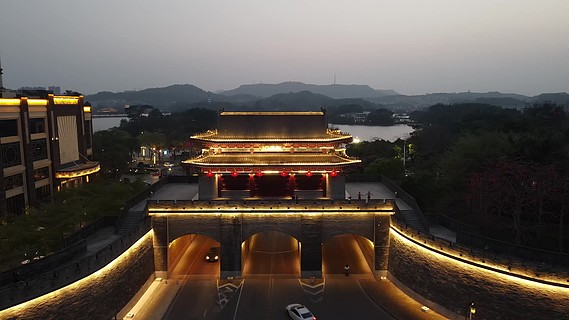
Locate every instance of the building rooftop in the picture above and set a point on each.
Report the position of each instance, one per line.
(272, 127)
(271, 159)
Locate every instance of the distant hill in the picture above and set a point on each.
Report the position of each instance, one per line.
(336, 91)
(426, 100)
(305, 100)
(165, 98)
(183, 96)
(561, 98)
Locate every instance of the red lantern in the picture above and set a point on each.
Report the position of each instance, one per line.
(234, 174)
(309, 174)
(333, 173)
(259, 174)
(209, 174)
(284, 173)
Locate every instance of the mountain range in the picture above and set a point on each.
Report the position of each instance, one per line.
(300, 96)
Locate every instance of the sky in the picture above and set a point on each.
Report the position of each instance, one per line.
(411, 46)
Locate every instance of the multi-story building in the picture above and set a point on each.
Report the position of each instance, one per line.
(45, 146)
(272, 154)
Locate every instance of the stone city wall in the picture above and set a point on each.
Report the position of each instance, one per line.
(444, 280)
(100, 295)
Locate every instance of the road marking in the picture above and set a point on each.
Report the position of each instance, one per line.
(204, 313)
(239, 298)
(316, 290)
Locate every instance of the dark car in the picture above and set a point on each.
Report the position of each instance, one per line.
(212, 254)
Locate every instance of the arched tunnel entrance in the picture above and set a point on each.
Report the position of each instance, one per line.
(189, 255)
(271, 252)
(351, 249)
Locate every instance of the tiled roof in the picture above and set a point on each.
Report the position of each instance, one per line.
(271, 159)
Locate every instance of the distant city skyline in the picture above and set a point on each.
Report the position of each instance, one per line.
(412, 47)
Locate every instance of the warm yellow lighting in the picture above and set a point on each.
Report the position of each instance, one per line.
(86, 109)
(9, 102)
(65, 100)
(271, 148)
(356, 140)
(77, 173)
(487, 268)
(71, 289)
(37, 102)
(197, 208)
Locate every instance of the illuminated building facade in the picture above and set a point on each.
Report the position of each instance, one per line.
(272, 155)
(45, 145)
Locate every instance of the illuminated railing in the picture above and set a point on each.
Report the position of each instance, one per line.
(37, 289)
(255, 207)
(80, 172)
(522, 270)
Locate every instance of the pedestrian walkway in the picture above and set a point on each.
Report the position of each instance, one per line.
(154, 301)
(392, 300)
(377, 191)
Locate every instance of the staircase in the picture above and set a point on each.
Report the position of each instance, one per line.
(412, 220)
(129, 221)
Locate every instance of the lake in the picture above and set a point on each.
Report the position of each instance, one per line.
(364, 133)
(105, 123)
(369, 133)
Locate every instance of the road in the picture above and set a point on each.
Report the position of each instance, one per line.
(271, 281)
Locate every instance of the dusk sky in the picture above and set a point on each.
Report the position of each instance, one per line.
(411, 46)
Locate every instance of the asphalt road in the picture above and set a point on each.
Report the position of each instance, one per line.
(271, 281)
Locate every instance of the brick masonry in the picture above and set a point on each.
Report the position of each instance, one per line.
(311, 228)
(453, 285)
(98, 296)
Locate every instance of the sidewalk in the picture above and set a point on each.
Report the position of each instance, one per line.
(155, 301)
(392, 300)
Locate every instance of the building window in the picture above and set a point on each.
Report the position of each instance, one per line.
(13, 182)
(37, 125)
(41, 173)
(8, 128)
(39, 149)
(10, 153)
(43, 193)
(15, 205)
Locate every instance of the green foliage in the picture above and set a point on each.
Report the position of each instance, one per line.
(40, 230)
(475, 163)
(113, 148)
(380, 117)
(391, 168)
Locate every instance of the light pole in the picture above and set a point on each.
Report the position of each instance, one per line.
(471, 310)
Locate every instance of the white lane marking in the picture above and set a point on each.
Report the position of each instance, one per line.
(204, 313)
(239, 299)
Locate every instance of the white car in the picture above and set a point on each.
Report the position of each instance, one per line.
(299, 312)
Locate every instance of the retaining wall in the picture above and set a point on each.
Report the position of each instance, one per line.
(453, 284)
(100, 295)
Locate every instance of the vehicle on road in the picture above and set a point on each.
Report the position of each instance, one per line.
(168, 164)
(212, 254)
(299, 312)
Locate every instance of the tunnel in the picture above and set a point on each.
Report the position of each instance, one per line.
(271, 252)
(187, 256)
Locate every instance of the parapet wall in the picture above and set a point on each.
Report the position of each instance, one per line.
(453, 277)
(100, 295)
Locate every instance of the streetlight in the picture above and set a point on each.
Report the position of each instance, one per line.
(471, 310)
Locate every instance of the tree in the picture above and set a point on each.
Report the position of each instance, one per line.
(112, 148)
